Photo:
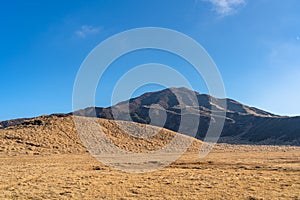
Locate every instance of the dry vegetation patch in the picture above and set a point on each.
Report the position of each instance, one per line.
(45, 159)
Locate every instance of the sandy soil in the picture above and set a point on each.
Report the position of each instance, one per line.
(235, 172)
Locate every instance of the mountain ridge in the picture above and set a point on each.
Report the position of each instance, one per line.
(243, 124)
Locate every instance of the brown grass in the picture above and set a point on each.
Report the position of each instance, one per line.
(48, 161)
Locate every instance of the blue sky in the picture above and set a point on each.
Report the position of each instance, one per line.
(255, 44)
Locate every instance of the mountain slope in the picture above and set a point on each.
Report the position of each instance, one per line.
(57, 134)
(243, 124)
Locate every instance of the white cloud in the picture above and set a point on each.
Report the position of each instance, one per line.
(226, 7)
(86, 30)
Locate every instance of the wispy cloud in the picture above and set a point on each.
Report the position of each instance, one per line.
(226, 7)
(86, 30)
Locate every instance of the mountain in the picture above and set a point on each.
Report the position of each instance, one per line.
(166, 108)
(243, 124)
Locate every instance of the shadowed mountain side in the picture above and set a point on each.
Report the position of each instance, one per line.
(243, 124)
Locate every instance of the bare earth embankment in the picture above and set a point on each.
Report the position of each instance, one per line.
(45, 159)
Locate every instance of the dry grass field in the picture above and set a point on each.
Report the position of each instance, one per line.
(48, 161)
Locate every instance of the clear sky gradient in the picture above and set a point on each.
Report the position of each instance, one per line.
(255, 44)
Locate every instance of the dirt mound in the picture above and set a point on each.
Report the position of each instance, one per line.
(58, 135)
